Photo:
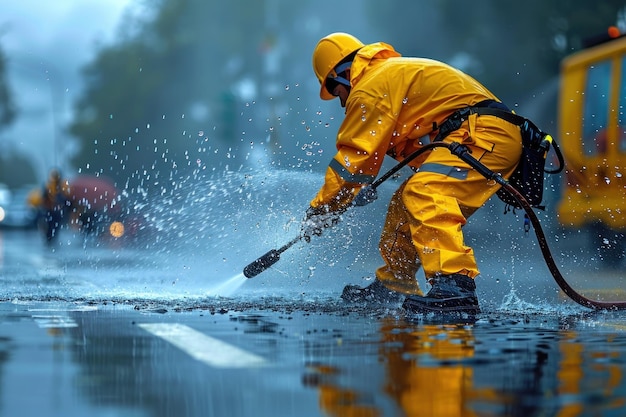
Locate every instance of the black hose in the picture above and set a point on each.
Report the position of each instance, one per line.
(462, 152)
(554, 270)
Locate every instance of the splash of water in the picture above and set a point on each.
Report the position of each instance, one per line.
(229, 286)
(512, 302)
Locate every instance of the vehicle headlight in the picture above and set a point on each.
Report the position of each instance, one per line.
(116, 229)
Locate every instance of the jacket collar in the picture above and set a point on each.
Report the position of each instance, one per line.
(366, 55)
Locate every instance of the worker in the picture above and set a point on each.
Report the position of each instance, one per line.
(393, 106)
(52, 203)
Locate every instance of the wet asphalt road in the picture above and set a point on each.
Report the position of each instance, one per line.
(80, 335)
(76, 359)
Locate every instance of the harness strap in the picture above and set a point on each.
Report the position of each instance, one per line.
(538, 139)
(486, 108)
(502, 114)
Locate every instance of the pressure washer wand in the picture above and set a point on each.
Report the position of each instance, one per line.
(267, 260)
(366, 195)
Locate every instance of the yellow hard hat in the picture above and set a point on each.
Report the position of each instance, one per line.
(329, 52)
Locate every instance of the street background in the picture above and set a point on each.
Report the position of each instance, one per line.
(204, 120)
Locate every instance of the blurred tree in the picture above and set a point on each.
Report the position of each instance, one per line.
(7, 107)
(167, 98)
(16, 169)
(160, 101)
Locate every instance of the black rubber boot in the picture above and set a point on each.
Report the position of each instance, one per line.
(449, 293)
(376, 292)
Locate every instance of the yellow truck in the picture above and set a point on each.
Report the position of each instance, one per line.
(592, 135)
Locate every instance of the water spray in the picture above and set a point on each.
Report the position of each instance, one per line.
(229, 287)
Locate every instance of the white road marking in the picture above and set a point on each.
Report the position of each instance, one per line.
(54, 321)
(71, 309)
(204, 348)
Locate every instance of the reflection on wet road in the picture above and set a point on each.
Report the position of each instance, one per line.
(77, 359)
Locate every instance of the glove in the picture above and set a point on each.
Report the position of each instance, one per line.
(316, 220)
(366, 195)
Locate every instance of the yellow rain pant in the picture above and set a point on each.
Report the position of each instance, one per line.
(426, 214)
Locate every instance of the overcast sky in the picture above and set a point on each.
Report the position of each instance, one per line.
(46, 44)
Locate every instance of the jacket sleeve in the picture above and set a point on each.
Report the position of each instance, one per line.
(362, 142)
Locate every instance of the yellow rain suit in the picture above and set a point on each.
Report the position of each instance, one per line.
(393, 108)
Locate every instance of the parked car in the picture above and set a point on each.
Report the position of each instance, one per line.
(15, 211)
(5, 198)
(97, 209)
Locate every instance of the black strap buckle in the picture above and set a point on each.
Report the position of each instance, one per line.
(452, 123)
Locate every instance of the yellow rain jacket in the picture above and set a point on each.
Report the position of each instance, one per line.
(393, 109)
